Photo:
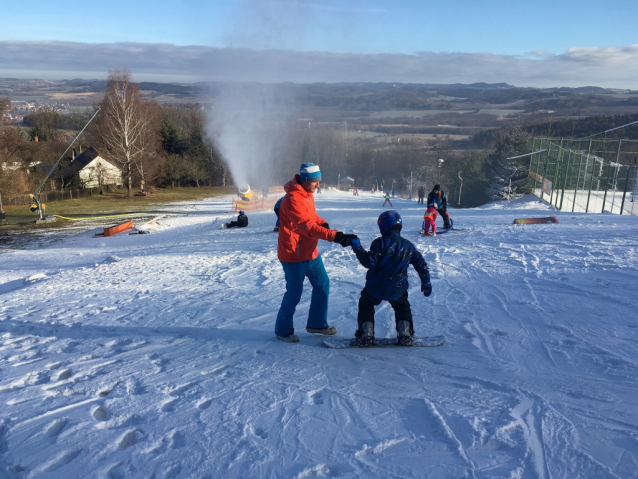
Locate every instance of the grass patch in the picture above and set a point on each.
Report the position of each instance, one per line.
(21, 220)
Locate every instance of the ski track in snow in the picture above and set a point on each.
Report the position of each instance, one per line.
(154, 355)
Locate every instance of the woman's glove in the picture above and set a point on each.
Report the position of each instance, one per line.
(344, 239)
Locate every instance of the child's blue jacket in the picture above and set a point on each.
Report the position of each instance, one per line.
(387, 262)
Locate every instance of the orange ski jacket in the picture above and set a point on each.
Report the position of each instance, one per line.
(430, 214)
(300, 226)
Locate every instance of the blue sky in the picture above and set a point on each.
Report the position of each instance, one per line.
(522, 42)
(512, 27)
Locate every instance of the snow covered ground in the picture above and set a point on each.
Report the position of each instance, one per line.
(154, 355)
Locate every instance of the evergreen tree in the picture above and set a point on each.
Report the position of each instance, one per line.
(501, 171)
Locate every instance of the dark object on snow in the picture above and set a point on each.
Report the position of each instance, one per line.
(417, 342)
(242, 221)
(535, 221)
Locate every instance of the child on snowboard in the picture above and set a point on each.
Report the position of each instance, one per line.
(429, 221)
(387, 279)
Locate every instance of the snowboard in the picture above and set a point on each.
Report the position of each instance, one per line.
(417, 342)
(441, 231)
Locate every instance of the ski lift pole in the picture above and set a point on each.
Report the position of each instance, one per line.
(461, 187)
(2, 216)
(36, 193)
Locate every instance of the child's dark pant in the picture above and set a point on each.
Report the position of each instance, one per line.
(367, 302)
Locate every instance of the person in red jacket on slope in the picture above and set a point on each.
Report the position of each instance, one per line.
(300, 229)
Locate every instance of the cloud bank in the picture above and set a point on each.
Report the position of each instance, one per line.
(612, 67)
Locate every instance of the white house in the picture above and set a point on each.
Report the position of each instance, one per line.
(95, 171)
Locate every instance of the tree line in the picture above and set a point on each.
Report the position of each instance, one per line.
(168, 145)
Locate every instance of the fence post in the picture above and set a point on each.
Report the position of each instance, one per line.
(606, 188)
(569, 158)
(549, 147)
(591, 181)
(615, 181)
(580, 165)
(624, 193)
(534, 148)
(559, 159)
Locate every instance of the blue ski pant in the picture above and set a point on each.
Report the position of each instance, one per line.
(295, 274)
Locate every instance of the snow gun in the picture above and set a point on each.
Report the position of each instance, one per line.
(245, 193)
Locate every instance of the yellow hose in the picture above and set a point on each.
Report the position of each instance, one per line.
(97, 217)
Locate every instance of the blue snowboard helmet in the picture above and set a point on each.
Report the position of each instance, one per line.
(389, 221)
(241, 212)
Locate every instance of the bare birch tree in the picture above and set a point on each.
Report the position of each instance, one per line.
(125, 130)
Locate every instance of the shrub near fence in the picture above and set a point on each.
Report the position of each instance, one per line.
(53, 196)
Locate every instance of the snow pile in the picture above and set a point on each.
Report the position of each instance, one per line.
(154, 355)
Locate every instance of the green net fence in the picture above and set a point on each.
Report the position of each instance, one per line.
(586, 176)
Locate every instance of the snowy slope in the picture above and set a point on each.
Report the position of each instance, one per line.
(154, 355)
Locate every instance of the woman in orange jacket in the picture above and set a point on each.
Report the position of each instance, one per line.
(300, 229)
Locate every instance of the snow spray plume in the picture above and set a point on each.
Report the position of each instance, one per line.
(244, 128)
(247, 123)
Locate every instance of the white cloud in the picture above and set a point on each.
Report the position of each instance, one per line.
(578, 66)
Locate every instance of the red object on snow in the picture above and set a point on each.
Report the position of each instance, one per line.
(535, 221)
(113, 230)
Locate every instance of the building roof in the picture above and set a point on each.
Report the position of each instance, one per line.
(88, 156)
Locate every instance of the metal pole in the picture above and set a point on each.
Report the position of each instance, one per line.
(36, 195)
(549, 149)
(591, 182)
(569, 158)
(624, 194)
(537, 163)
(559, 160)
(606, 187)
(617, 166)
(410, 184)
(461, 188)
(580, 165)
(614, 182)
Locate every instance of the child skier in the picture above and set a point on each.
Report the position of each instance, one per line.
(387, 200)
(429, 221)
(387, 279)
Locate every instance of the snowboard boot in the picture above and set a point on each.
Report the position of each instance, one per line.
(404, 336)
(367, 334)
(291, 338)
(276, 228)
(328, 330)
